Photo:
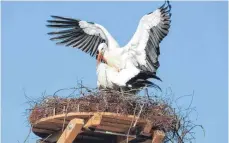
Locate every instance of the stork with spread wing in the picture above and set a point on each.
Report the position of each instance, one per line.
(131, 66)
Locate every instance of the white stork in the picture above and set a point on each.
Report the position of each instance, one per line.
(130, 66)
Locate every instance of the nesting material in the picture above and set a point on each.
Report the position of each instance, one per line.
(157, 112)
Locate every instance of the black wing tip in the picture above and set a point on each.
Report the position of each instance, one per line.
(53, 39)
(55, 16)
(55, 25)
(153, 85)
(166, 5)
(49, 25)
(51, 21)
(64, 18)
(51, 33)
(156, 77)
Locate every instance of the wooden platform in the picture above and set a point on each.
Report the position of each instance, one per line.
(83, 123)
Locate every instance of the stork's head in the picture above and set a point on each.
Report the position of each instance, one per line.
(101, 50)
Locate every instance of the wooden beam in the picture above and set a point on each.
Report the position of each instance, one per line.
(158, 136)
(117, 125)
(50, 126)
(118, 116)
(94, 121)
(116, 120)
(85, 115)
(42, 130)
(110, 129)
(71, 131)
(56, 122)
(147, 129)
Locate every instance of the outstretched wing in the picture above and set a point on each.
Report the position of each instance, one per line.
(78, 34)
(151, 30)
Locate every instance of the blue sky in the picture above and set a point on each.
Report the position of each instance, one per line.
(193, 57)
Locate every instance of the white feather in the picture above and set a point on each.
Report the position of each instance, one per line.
(109, 77)
(141, 36)
(91, 29)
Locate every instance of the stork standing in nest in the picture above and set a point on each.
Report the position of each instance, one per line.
(129, 67)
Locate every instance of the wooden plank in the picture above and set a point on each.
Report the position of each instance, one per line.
(148, 127)
(57, 121)
(69, 118)
(71, 131)
(54, 124)
(117, 125)
(158, 136)
(49, 126)
(115, 120)
(122, 117)
(111, 129)
(118, 119)
(69, 115)
(85, 115)
(38, 130)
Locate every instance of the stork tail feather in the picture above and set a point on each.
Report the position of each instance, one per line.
(141, 80)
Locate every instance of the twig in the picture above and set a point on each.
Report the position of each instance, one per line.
(139, 113)
(46, 138)
(27, 137)
(128, 133)
(66, 112)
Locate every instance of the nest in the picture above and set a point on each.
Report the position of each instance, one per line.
(158, 112)
(162, 111)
